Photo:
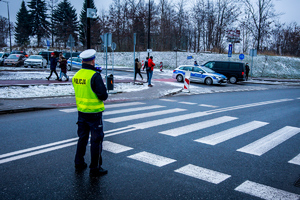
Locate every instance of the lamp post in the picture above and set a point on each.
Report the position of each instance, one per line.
(8, 24)
(149, 29)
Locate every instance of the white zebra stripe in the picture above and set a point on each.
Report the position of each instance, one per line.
(203, 174)
(197, 126)
(270, 141)
(265, 192)
(231, 133)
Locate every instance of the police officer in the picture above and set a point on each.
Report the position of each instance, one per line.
(90, 92)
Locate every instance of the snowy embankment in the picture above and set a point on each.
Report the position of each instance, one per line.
(263, 66)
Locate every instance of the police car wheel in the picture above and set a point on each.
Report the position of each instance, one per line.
(208, 81)
(179, 78)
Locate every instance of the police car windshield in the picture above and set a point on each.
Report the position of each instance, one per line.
(207, 69)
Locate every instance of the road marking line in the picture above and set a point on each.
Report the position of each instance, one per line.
(114, 147)
(69, 110)
(187, 103)
(197, 126)
(131, 110)
(231, 133)
(270, 141)
(123, 104)
(295, 160)
(36, 152)
(152, 159)
(143, 115)
(247, 106)
(168, 120)
(203, 174)
(128, 129)
(209, 106)
(36, 148)
(265, 192)
(169, 100)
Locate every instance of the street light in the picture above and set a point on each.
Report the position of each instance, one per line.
(8, 24)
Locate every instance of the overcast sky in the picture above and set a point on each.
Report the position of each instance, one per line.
(290, 8)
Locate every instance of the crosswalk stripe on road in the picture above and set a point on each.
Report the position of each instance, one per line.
(230, 133)
(114, 147)
(143, 115)
(197, 126)
(270, 141)
(127, 110)
(152, 159)
(203, 174)
(265, 192)
(295, 160)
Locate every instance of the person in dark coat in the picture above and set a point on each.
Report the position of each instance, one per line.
(53, 63)
(63, 67)
(138, 67)
(147, 68)
(247, 71)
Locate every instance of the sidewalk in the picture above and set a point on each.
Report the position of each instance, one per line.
(40, 103)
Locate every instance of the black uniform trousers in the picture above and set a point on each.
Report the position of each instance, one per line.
(90, 122)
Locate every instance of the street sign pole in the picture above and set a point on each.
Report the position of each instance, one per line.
(134, 42)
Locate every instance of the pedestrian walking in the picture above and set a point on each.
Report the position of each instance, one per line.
(53, 63)
(90, 92)
(147, 68)
(151, 65)
(63, 67)
(247, 71)
(138, 66)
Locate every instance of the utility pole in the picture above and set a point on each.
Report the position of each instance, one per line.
(88, 27)
(149, 30)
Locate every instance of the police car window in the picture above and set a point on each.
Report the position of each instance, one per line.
(182, 68)
(188, 68)
(197, 69)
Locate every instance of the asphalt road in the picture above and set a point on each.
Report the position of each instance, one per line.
(161, 149)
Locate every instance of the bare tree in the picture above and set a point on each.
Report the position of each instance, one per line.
(261, 13)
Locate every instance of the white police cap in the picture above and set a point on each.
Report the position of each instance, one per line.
(88, 55)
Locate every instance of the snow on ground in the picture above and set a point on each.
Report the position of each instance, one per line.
(12, 92)
(264, 66)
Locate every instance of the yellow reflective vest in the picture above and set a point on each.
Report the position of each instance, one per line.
(86, 100)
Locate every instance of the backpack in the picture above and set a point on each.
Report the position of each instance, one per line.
(139, 65)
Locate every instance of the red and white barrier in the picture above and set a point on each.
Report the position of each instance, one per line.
(161, 66)
(186, 87)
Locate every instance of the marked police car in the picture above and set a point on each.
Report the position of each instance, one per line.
(199, 74)
(77, 63)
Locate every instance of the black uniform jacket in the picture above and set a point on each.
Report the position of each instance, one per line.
(97, 84)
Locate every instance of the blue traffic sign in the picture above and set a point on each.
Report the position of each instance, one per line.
(190, 57)
(241, 56)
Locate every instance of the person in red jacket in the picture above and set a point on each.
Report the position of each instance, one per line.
(151, 65)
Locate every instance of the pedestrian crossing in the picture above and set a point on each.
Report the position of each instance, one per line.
(258, 147)
(137, 114)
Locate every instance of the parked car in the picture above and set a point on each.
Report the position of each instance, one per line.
(3, 56)
(19, 52)
(47, 54)
(67, 55)
(199, 74)
(14, 60)
(77, 64)
(35, 61)
(234, 71)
